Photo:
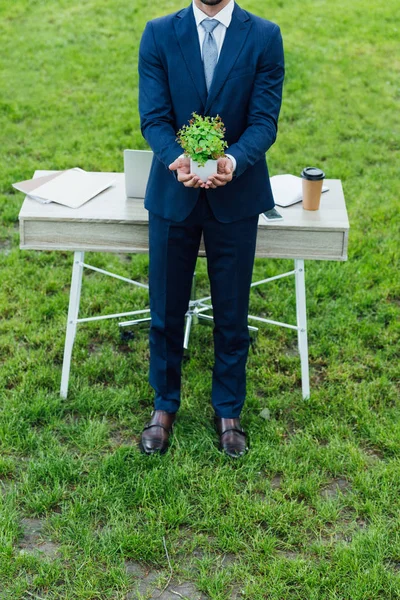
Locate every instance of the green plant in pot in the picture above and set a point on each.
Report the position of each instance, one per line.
(203, 142)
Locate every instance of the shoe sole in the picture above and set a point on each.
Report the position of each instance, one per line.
(144, 451)
(222, 449)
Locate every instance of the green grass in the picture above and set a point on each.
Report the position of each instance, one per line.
(313, 511)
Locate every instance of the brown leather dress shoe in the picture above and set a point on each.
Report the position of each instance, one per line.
(156, 432)
(233, 440)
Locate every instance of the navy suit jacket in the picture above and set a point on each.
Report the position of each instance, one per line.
(246, 92)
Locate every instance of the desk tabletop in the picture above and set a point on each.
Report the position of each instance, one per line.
(53, 226)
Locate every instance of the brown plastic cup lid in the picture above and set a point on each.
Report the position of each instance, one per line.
(312, 174)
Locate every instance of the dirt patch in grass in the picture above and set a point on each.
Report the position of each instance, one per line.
(33, 542)
(95, 347)
(144, 581)
(292, 428)
(318, 375)
(374, 454)
(336, 487)
(5, 486)
(291, 349)
(358, 524)
(344, 530)
(393, 565)
(276, 481)
(134, 568)
(125, 348)
(335, 537)
(236, 593)
(185, 590)
(123, 437)
(228, 559)
(127, 258)
(150, 583)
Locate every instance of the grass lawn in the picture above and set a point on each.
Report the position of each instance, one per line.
(313, 511)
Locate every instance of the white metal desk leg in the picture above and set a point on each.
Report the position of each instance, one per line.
(73, 311)
(189, 320)
(301, 311)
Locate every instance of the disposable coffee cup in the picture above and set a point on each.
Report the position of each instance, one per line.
(312, 187)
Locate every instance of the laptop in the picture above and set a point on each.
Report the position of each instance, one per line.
(137, 165)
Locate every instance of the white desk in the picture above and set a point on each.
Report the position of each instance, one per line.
(112, 223)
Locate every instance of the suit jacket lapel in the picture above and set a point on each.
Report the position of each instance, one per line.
(188, 40)
(235, 38)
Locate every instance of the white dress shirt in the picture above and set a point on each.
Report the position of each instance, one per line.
(224, 17)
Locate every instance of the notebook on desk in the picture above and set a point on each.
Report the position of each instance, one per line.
(137, 165)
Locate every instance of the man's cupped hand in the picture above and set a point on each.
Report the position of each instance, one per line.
(223, 175)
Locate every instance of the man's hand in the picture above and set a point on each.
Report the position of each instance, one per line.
(223, 175)
(182, 167)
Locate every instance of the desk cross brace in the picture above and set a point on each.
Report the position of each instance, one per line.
(195, 314)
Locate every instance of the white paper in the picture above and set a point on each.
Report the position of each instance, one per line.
(71, 188)
(29, 186)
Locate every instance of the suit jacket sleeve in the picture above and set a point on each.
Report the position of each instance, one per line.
(155, 106)
(264, 106)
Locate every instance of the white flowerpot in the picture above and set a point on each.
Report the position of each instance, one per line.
(203, 172)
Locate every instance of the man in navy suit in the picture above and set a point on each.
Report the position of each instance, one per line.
(211, 58)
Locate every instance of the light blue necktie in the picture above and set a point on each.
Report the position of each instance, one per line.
(210, 50)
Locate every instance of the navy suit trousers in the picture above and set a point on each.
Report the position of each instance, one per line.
(173, 250)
